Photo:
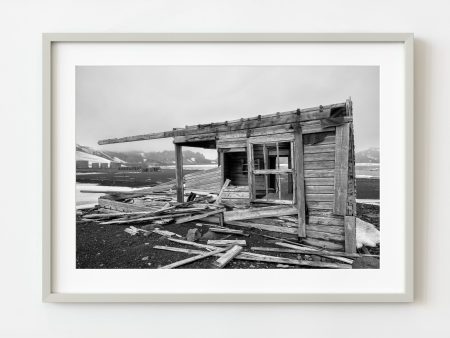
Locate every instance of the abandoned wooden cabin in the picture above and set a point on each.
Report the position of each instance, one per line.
(304, 158)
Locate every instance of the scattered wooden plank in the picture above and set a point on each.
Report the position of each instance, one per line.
(121, 206)
(193, 259)
(112, 215)
(227, 257)
(166, 233)
(196, 217)
(266, 227)
(305, 251)
(252, 213)
(269, 249)
(226, 242)
(324, 244)
(134, 231)
(198, 245)
(311, 251)
(225, 185)
(182, 250)
(139, 220)
(228, 231)
(283, 260)
(249, 256)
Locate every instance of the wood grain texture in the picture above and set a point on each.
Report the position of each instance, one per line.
(227, 257)
(193, 259)
(252, 213)
(313, 157)
(324, 244)
(300, 181)
(341, 169)
(350, 234)
(267, 227)
(179, 172)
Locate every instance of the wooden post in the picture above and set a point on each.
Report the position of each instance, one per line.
(179, 172)
(341, 169)
(266, 166)
(300, 180)
(222, 165)
(350, 234)
(251, 180)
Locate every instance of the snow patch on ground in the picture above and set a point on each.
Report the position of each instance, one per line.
(80, 155)
(368, 201)
(89, 198)
(366, 234)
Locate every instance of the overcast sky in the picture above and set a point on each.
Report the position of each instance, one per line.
(117, 101)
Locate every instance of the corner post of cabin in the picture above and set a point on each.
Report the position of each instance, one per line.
(344, 167)
(179, 172)
(300, 180)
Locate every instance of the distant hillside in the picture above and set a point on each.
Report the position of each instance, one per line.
(371, 155)
(166, 157)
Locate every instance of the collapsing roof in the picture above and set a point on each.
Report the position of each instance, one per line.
(302, 158)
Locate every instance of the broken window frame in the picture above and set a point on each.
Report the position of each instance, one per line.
(252, 171)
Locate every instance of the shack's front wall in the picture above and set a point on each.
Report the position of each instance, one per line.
(322, 226)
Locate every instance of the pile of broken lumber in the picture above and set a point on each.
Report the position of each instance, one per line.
(147, 211)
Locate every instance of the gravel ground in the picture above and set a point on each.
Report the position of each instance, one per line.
(110, 247)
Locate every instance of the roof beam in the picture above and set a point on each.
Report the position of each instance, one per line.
(294, 116)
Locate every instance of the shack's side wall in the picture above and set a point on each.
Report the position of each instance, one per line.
(323, 228)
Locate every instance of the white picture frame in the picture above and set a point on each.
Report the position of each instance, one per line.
(50, 166)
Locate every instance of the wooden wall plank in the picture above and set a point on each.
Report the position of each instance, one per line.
(319, 165)
(341, 169)
(326, 236)
(319, 157)
(319, 189)
(319, 148)
(320, 205)
(320, 197)
(320, 181)
(284, 137)
(327, 220)
(332, 229)
(319, 173)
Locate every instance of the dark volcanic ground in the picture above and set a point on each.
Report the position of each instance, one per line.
(110, 247)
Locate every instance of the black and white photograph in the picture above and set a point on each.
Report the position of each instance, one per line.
(233, 167)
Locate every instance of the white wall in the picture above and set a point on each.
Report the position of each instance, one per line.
(22, 312)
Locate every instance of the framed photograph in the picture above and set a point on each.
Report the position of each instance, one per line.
(228, 167)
